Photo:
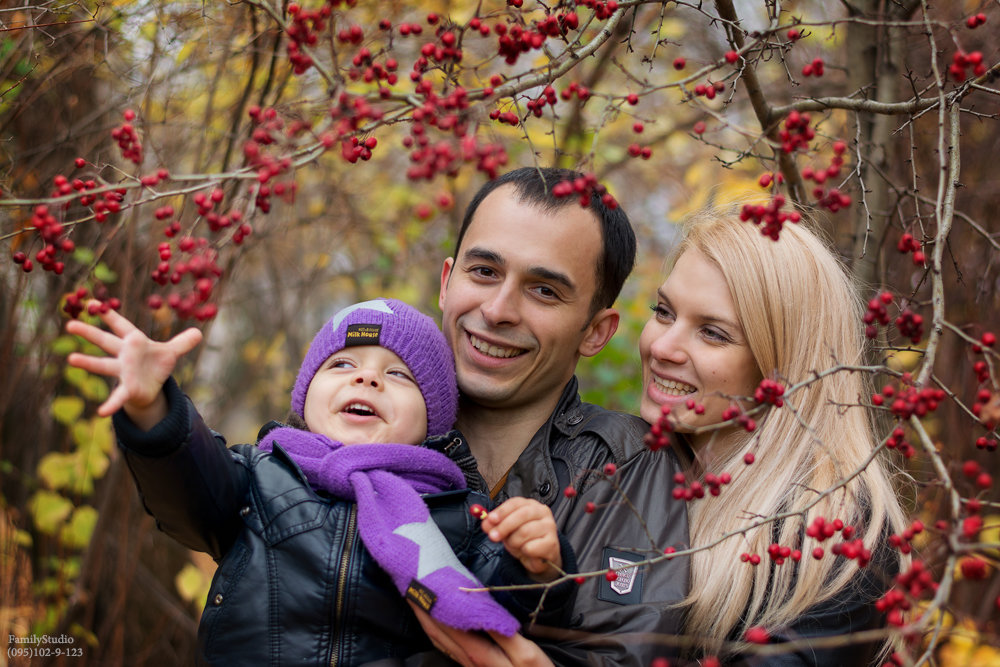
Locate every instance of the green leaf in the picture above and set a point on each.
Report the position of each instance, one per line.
(63, 345)
(67, 409)
(49, 510)
(191, 584)
(76, 533)
(58, 470)
(83, 256)
(105, 274)
(94, 388)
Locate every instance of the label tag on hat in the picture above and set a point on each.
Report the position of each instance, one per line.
(362, 334)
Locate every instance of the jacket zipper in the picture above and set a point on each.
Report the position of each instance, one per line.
(345, 561)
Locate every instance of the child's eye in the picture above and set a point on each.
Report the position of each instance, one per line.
(340, 363)
(402, 374)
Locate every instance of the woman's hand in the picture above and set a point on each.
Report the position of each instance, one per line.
(474, 650)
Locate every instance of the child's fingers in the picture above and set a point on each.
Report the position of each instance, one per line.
(185, 341)
(115, 402)
(108, 342)
(507, 517)
(97, 365)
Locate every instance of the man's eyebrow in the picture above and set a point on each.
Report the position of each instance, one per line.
(540, 272)
(484, 255)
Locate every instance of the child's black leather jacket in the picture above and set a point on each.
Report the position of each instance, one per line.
(295, 584)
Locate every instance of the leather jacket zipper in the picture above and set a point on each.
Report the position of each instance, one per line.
(345, 562)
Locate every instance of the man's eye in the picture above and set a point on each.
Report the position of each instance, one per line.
(483, 271)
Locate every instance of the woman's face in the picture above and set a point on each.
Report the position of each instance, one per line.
(693, 347)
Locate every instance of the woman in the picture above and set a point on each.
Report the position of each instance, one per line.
(738, 308)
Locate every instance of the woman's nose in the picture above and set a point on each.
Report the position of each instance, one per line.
(669, 346)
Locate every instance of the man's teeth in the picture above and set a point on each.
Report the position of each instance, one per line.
(359, 409)
(493, 350)
(673, 387)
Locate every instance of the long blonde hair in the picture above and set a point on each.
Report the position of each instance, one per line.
(800, 315)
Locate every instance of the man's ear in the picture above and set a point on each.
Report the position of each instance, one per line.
(602, 327)
(445, 277)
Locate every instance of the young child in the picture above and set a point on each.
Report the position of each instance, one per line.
(322, 533)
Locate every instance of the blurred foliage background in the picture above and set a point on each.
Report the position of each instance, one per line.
(77, 553)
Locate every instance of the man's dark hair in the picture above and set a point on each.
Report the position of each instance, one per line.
(534, 185)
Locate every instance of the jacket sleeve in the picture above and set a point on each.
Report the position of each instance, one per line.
(188, 479)
(633, 517)
(535, 605)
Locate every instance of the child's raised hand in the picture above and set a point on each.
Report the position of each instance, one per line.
(528, 532)
(141, 365)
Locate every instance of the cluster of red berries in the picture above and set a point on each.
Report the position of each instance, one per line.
(734, 413)
(962, 61)
(820, 529)
(709, 90)
(903, 540)
(988, 443)
(636, 150)
(695, 490)
(820, 176)
(365, 68)
(988, 339)
(914, 583)
(304, 30)
(768, 179)
(602, 9)
(267, 131)
(907, 244)
(770, 391)
(513, 42)
(910, 325)
(51, 232)
(832, 200)
(585, 187)
(815, 68)
(975, 20)
(74, 302)
(559, 24)
(771, 217)
(128, 138)
(574, 88)
(877, 312)
(852, 550)
(102, 205)
(657, 438)
(537, 105)
(203, 271)
(796, 133)
(897, 440)
(972, 470)
(909, 400)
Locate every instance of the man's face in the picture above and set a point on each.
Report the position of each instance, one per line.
(516, 301)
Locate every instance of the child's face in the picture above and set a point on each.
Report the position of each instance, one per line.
(366, 394)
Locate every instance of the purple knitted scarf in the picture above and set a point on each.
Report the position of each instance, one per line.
(386, 481)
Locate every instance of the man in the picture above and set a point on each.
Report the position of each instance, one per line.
(529, 291)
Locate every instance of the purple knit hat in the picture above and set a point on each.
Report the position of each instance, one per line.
(402, 329)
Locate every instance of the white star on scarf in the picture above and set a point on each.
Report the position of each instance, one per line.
(433, 549)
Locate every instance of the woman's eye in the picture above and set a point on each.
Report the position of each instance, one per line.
(661, 312)
(716, 336)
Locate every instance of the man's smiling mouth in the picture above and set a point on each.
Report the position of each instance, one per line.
(494, 350)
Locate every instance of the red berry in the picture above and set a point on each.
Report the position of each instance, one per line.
(732, 57)
(569, 492)
(679, 63)
(699, 127)
(477, 511)
(611, 575)
(818, 553)
(748, 458)
(590, 507)
(757, 635)
(610, 469)
(80, 163)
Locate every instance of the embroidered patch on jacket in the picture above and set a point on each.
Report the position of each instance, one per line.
(421, 595)
(627, 586)
(362, 334)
